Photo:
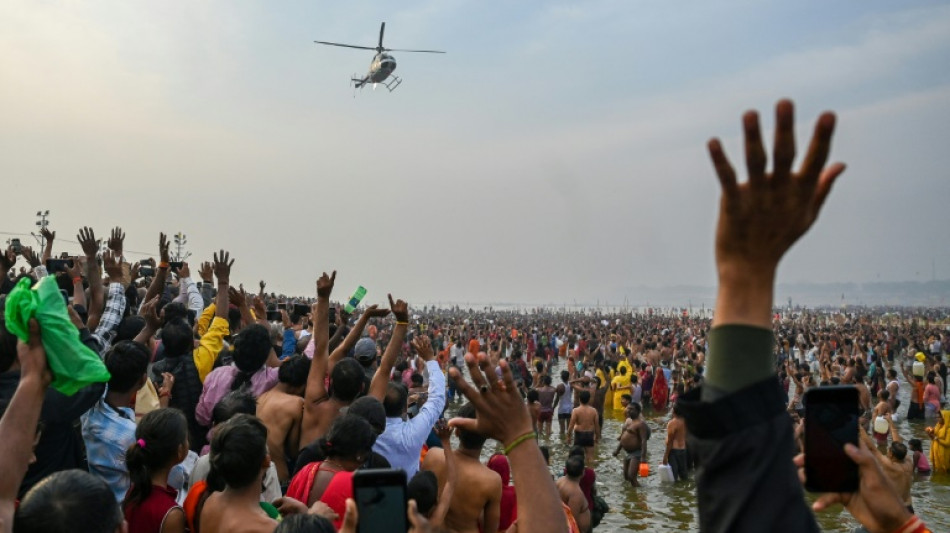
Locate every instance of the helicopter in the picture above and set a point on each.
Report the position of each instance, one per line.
(382, 66)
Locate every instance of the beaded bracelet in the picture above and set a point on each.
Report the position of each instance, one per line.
(514, 444)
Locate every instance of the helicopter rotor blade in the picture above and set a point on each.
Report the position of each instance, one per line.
(346, 45)
(382, 28)
(404, 50)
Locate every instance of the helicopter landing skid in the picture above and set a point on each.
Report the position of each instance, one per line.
(393, 82)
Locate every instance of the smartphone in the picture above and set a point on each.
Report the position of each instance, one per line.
(175, 266)
(16, 246)
(301, 309)
(332, 315)
(380, 495)
(146, 271)
(831, 421)
(273, 316)
(282, 306)
(58, 265)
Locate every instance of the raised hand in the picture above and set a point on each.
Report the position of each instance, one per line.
(150, 313)
(399, 308)
(134, 270)
(206, 273)
(163, 247)
(423, 346)
(32, 356)
(236, 297)
(262, 285)
(7, 260)
(222, 266)
(116, 241)
(184, 271)
(168, 383)
(760, 219)
(87, 240)
(112, 266)
(48, 235)
(75, 271)
(30, 256)
(374, 311)
(500, 413)
(260, 309)
(325, 285)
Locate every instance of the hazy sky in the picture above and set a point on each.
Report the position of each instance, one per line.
(556, 153)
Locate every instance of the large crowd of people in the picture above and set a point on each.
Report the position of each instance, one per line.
(147, 398)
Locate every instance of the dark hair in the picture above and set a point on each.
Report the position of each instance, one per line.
(469, 439)
(416, 379)
(371, 410)
(546, 380)
(584, 396)
(127, 362)
(175, 311)
(251, 350)
(899, 449)
(238, 448)
(305, 523)
(233, 403)
(574, 467)
(395, 400)
(177, 338)
(424, 488)
(576, 450)
(67, 501)
(533, 396)
(294, 370)
(346, 380)
(349, 437)
(915, 445)
(129, 328)
(636, 406)
(565, 375)
(159, 437)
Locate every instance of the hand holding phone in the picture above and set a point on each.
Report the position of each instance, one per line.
(381, 502)
(831, 421)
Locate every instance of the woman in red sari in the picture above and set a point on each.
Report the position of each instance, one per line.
(661, 390)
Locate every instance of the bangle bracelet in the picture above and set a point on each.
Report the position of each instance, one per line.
(519, 440)
(398, 323)
(77, 279)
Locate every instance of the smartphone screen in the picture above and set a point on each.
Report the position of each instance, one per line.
(175, 266)
(273, 316)
(58, 265)
(831, 421)
(380, 495)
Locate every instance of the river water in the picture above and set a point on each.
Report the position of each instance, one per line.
(656, 506)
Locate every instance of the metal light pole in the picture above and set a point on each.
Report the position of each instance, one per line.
(180, 241)
(41, 224)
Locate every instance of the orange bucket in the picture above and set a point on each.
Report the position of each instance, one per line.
(644, 469)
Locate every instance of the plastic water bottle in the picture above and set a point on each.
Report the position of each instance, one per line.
(355, 300)
(919, 369)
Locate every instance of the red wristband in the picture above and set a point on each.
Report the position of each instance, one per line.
(913, 525)
(77, 280)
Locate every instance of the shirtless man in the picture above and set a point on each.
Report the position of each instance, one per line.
(476, 503)
(281, 410)
(893, 386)
(563, 401)
(585, 426)
(321, 408)
(571, 494)
(895, 464)
(633, 440)
(675, 454)
(546, 396)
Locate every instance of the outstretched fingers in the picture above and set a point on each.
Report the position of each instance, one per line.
(784, 149)
(754, 151)
(727, 174)
(818, 148)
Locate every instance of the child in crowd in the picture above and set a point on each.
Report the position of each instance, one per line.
(161, 443)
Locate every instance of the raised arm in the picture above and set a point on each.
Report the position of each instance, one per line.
(90, 247)
(444, 432)
(49, 237)
(316, 387)
(212, 340)
(354, 335)
(18, 427)
(161, 272)
(400, 309)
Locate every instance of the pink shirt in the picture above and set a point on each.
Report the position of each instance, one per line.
(932, 395)
(218, 384)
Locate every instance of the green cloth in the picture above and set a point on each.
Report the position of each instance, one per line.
(73, 364)
(739, 356)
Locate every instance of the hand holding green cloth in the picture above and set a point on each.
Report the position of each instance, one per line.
(73, 364)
